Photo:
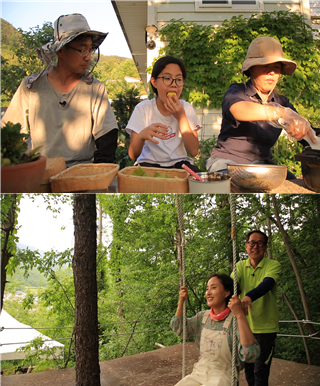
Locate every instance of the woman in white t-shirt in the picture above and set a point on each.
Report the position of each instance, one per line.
(164, 129)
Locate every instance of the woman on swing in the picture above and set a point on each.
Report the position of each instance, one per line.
(213, 331)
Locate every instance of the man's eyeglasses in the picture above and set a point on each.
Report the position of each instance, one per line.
(253, 243)
(84, 53)
(168, 80)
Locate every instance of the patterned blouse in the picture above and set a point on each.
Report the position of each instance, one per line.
(247, 353)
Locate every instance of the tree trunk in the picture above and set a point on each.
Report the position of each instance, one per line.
(7, 228)
(86, 296)
(310, 328)
(269, 250)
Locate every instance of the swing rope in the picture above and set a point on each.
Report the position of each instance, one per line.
(234, 247)
(183, 279)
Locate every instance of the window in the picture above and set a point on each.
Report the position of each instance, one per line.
(229, 2)
(228, 5)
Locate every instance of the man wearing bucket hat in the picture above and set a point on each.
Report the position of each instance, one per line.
(67, 110)
(253, 113)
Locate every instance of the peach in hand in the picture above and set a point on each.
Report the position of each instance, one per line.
(171, 94)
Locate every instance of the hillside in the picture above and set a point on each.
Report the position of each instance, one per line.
(9, 35)
(19, 282)
(106, 58)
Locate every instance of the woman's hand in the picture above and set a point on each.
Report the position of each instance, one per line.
(293, 123)
(235, 306)
(189, 137)
(246, 336)
(183, 294)
(175, 107)
(137, 141)
(157, 130)
(296, 126)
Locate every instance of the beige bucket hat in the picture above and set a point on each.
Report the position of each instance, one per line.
(266, 50)
(67, 28)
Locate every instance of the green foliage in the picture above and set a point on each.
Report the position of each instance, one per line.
(123, 105)
(213, 56)
(312, 114)
(11, 76)
(45, 263)
(14, 146)
(283, 153)
(143, 265)
(11, 72)
(143, 276)
(9, 35)
(54, 307)
(45, 357)
(113, 73)
(25, 50)
(205, 149)
(58, 298)
(35, 279)
(302, 226)
(138, 274)
(122, 156)
(8, 242)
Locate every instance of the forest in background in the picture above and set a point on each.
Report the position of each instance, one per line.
(139, 272)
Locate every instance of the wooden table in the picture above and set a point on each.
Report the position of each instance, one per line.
(289, 186)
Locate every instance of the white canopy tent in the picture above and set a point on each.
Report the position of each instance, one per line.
(14, 335)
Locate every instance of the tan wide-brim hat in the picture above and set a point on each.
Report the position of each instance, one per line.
(267, 50)
(67, 28)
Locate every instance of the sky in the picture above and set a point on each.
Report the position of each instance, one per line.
(40, 228)
(99, 14)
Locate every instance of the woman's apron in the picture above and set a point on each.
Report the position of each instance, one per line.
(214, 367)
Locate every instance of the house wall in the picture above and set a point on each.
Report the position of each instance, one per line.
(162, 11)
(315, 14)
(211, 122)
(315, 8)
(186, 10)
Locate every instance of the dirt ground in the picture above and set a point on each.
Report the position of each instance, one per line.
(161, 367)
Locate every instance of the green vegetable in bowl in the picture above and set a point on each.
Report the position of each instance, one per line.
(141, 173)
(163, 175)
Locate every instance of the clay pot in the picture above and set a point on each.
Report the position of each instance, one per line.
(24, 178)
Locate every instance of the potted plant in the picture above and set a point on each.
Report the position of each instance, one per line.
(21, 172)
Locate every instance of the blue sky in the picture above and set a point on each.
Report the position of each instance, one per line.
(99, 14)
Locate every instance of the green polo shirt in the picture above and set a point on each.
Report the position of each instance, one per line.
(264, 317)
